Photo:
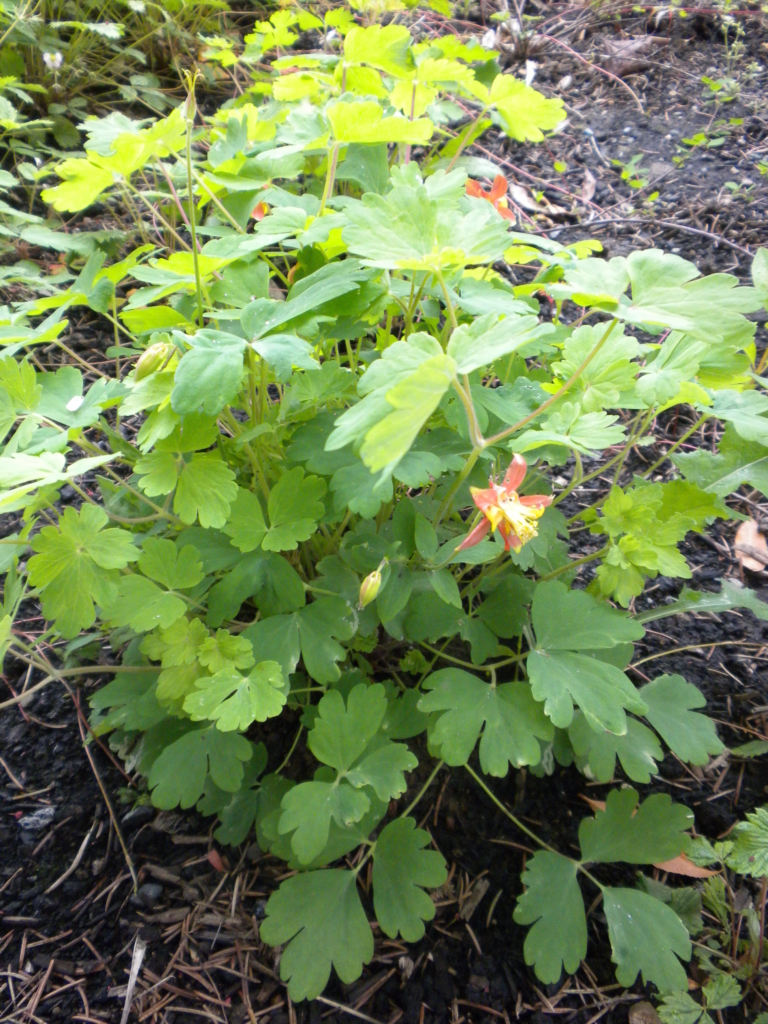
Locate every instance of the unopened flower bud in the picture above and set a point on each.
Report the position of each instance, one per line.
(151, 359)
(189, 107)
(370, 588)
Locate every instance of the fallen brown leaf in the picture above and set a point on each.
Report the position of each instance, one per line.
(627, 56)
(750, 547)
(683, 866)
(522, 197)
(214, 859)
(588, 188)
(596, 805)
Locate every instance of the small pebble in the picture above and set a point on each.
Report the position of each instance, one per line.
(37, 821)
(488, 40)
(405, 965)
(137, 816)
(150, 893)
(643, 1013)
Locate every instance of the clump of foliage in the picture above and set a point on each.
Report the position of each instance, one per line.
(302, 492)
(57, 57)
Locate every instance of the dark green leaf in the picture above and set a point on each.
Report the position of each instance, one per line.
(209, 374)
(178, 775)
(510, 719)
(691, 736)
(319, 919)
(651, 833)
(401, 867)
(645, 936)
(553, 904)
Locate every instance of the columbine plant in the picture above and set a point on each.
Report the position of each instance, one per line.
(276, 491)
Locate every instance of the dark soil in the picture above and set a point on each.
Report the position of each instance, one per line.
(66, 953)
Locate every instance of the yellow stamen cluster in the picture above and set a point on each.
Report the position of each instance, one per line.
(522, 519)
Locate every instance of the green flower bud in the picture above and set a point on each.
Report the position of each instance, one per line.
(189, 108)
(151, 359)
(370, 588)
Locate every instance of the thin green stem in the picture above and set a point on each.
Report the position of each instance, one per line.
(416, 800)
(56, 676)
(576, 479)
(78, 359)
(134, 212)
(413, 302)
(334, 540)
(489, 669)
(263, 389)
(508, 431)
(575, 564)
(217, 202)
(465, 394)
(586, 479)
(275, 270)
(526, 831)
(119, 327)
(253, 458)
(117, 336)
(466, 136)
(420, 795)
(449, 657)
(253, 396)
(192, 227)
(287, 757)
(688, 647)
(448, 499)
(638, 432)
(16, 21)
(681, 440)
(156, 213)
(330, 177)
(447, 297)
(515, 821)
(164, 513)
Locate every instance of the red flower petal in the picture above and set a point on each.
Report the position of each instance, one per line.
(536, 500)
(498, 189)
(515, 474)
(475, 535)
(511, 540)
(484, 498)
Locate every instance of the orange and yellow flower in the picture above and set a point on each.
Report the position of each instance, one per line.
(497, 195)
(504, 510)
